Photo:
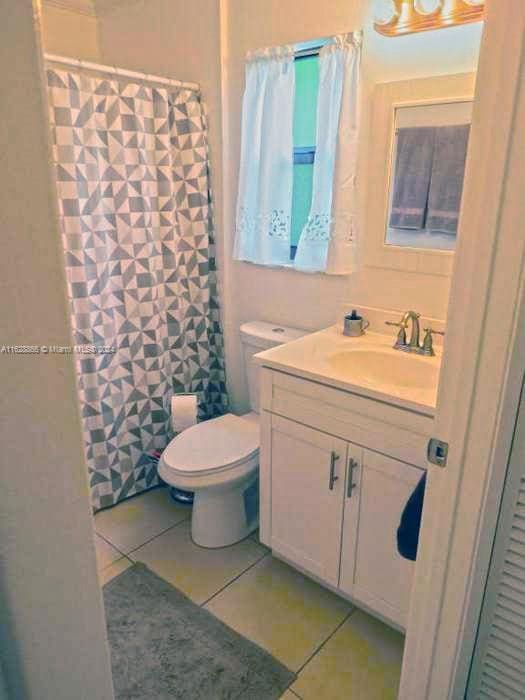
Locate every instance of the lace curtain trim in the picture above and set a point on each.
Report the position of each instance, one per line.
(319, 227)
(324, 227)
(275, 224)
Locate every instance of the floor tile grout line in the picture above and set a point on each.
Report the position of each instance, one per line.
(116, 561)
(103, 568)
(258, 543)
(110, 544)
(289, 690)
(162, 532)
(318, 649)
(179, 522)
(236, 578)
(294, 693)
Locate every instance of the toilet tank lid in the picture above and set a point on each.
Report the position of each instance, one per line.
(269, 335)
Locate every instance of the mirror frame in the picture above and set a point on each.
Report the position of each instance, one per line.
(388, 97)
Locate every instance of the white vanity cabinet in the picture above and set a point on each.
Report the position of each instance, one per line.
(329, 503)
(372, 570)
(306, 528)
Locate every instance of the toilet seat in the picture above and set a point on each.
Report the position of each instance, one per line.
(213, 446)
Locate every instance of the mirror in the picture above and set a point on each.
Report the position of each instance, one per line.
(427, 166)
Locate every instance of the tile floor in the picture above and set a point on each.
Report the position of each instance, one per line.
(336, 650)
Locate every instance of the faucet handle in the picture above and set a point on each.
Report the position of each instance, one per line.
(399, 324)
(427, 347)
(401, 336)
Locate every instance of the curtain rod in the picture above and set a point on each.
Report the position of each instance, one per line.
(304, 49)
(113, 70)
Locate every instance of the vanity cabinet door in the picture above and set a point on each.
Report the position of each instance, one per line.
(379, 577)
(307, 495)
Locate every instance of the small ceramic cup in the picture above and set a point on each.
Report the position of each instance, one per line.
(356, 326)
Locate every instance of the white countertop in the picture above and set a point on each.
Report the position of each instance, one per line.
(312, 357)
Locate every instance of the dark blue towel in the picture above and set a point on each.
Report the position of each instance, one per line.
(408, 530)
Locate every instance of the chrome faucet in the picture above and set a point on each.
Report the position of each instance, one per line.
(401, 341)
(413, 345)
(414, 336)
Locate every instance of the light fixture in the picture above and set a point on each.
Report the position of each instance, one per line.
(399, 17)
(427, 7)
(385, 12)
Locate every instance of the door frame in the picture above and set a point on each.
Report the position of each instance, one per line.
(481, 374)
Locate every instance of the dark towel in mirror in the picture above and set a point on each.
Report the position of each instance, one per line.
(408, 530)
(413, 169)
(446, 182)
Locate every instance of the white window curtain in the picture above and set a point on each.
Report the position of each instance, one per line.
(328, 241)
(266, 172)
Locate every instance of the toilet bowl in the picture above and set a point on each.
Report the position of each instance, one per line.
(218, 459)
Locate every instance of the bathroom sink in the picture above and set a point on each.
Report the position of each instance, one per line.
(366, 365)
(386, 367)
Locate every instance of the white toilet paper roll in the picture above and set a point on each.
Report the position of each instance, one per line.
(183, 411)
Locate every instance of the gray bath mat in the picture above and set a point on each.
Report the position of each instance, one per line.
(163, 646)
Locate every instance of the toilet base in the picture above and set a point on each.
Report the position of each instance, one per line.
(225, 515)
(181, 496)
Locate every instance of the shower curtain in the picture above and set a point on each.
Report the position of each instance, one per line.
(131, 163)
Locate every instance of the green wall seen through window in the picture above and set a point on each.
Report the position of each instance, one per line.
(305, 107)
(304, 128)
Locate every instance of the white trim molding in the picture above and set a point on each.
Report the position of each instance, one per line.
(81, 7)
(388, 97)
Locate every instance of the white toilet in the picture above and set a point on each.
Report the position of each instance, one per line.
(218, 459)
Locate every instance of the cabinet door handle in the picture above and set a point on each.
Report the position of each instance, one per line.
(333, 478)
(352, 464)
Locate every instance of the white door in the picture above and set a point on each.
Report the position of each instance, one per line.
(478, 385)
(382, 578)
(307, 475)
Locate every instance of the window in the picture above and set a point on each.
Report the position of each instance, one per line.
(286, 209)
(304, 130)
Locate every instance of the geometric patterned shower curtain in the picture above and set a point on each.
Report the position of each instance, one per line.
(132, 175)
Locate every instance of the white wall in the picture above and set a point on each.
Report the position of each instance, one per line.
(52, 632)
(285, 296)
(69, 33)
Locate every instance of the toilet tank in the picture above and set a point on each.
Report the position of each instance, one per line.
(257, 336)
